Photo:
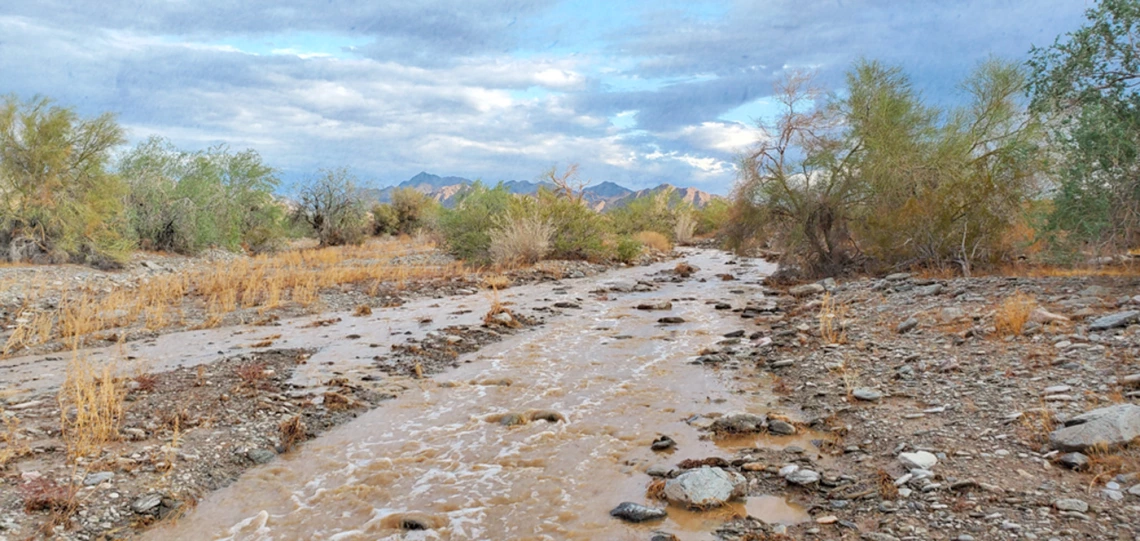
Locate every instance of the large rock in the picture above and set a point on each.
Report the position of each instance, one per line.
(705, 488)
(740, 423)
(1104, 427)
(1112, 321)
(919, 459)
(636, 512)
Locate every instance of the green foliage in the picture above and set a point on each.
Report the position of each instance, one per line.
(329, 204)
(712, 217)
(385, 220)
(57, 199)
(881, 176)
(579, 232)
(466, 229)
(185, 202)
(657, 212)
(413, 209)
(627, 250)
(1088, 81)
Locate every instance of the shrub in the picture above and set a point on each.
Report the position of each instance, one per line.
(627, 249)
(579, 232)
(656, 212)
(330, 205)
(187, 201)
(522, 239)
(385, 220)
(684, 227)
(654, 240)
(466, 229)
(412, 208)
(57, 199)
(712, 217)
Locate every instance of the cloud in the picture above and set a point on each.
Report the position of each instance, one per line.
(637, 93)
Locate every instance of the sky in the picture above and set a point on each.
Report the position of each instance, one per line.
(638, 93)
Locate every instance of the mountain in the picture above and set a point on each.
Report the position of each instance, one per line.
(600, 197)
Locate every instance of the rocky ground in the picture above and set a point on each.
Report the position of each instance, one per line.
(925, 421)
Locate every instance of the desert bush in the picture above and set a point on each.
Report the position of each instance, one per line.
(185, 202)
(413, 210)
(627, 249)
(385, 221)
(684, 227)
(329, 204)
(656, 212)
(1013, 313)
(579, 232)
(654, 240)
(881, 177)
(521, 239)
(91, 407)
(466, 229)
(58, 201)
(712, 217)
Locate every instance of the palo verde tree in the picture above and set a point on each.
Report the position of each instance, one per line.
(1088, 82)
(58, 201)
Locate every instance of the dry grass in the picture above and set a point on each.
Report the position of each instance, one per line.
(252, 375)
(90, 407)
(1013, 313)
(887, 488)
(12, 447)
(496, 281)
(263, 283)
(497, 307)
(831, 316)
(292, 431)
(654, 240)
(362, 310)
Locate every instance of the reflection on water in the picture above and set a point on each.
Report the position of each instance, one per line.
(442, 462)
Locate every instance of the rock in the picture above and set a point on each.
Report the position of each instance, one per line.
(146, 503)
(1071, 504)
(1104, 427)
(876, 536)
(1132, 380)
(98, 478)
(734, 334)
(897, 277)
(869, 395)
(1135, 490)
(663, 536)
(671, 320)
(633, 512)
(950, 314)
(806, 290)
(1074, 461)
(1112, 321)
(928, 291)
(802, 477)
(920, 460)
(1055, 389)
(656, 306)
(663, 443)
(782, 428)
(705, 487)
(1041, 315)
(503, 318)
(261, 456)
(740, 423)
(907, 326)
(659, 470)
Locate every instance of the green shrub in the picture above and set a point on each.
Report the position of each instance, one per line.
(330, 205)
(712, 217)
(385, 220)
(57, 199)
(627, 250)
(521, 239)
(413, 209)
(466, 228)
(656, 212)
(579, 232)
(187, 201)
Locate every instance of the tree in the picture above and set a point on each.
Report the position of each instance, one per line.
(58, 200)
(330, 205)
(566, 184)
(1088, 81)
(186, 201)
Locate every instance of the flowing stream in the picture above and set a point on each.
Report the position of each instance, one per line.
(436, 463)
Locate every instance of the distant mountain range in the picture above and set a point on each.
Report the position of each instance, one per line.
(600, 197)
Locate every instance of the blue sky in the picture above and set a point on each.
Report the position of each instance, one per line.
(635, 92)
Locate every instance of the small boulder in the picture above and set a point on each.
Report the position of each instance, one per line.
(1107, 427)
(1112, 321)
(634, 512)
(866, 394)
(920, 460)
(781, 428)
(739, 423)
(802, 477)
(907, 326)
(705, 487)
(146, 503)
(1074, 461)
(806, 290)
(1071, 504)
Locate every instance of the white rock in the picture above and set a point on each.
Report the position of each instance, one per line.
(921, 460)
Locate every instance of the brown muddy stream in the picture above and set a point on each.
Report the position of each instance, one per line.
(433, 464)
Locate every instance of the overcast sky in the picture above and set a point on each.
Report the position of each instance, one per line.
(636, 92)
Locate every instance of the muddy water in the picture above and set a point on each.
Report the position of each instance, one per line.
(435, 464)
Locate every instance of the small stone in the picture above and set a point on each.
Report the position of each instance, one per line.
(671, 320)
(663, 536)
(921, 460)
(907, 326)
(1074, 461)
(928, 291)
(261, 456)
(633, 512)
(1135, 490)
(782, 428)
(146, 503)
(806, 290)
(663, 443)
(1057, 389)
(1071, 504)
(802, 477)
(659, 470)
(829, 519)
(863, 393)
(1112, 321)
(98, 478)
(897, 277)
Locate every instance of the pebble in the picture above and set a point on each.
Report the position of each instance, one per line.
(869, 395)
(98, 478)
(1071, 504)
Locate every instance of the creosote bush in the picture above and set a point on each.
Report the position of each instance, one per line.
(521, 240)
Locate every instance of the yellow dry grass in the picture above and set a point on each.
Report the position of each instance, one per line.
(1013, 313)
(91, 407)
(262, 282)
(654, 240)
(831, 315)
